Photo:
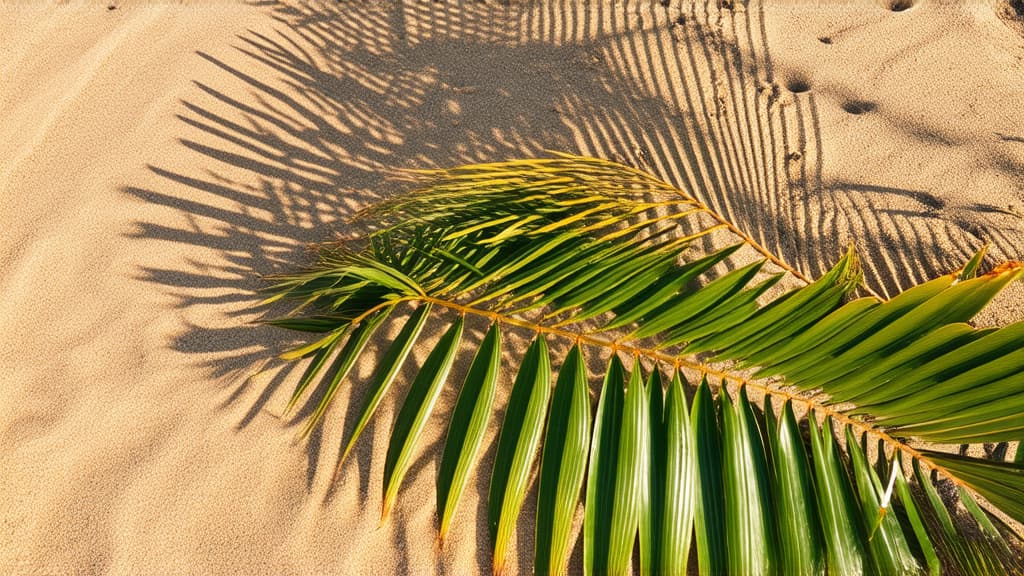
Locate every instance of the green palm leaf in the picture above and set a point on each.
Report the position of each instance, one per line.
(563, 464)
(597, 255)
(800, 540)
(468, 426)
(617, 458)
(710, 511)
(517, 447)
(916, 519)
(674, 477)
(387, 369)
(840, 517)
(888, 547)
(749, 534)
(415, 410)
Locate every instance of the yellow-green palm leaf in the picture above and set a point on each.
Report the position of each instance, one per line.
(603, 260)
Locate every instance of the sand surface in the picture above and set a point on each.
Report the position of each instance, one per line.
(156, 157)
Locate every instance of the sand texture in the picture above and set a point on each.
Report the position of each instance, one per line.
(157, 157)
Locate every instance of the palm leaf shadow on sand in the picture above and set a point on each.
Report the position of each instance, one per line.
(310, 114)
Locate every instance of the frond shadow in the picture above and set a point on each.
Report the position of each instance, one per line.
(293, 131)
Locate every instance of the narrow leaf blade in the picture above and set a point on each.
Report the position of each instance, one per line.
(517, 446)
(467, 427)
(386, 371)
(416, 409)
(563, 465)
(709, 519)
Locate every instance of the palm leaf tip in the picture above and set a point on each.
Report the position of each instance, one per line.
(415, 410)
(387, 371)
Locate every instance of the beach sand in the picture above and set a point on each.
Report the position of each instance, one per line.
(156, 158)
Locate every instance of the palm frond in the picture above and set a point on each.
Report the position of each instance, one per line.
(608, 259)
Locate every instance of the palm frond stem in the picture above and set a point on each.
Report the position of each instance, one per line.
(759, 248)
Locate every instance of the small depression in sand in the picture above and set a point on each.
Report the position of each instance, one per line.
(858, 107)
(899, 5)
(798, 84)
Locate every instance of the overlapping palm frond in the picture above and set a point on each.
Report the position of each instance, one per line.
(610, 261)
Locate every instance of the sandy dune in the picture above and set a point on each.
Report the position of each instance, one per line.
(156, 157)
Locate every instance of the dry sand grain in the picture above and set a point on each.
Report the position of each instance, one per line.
(155, 157)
